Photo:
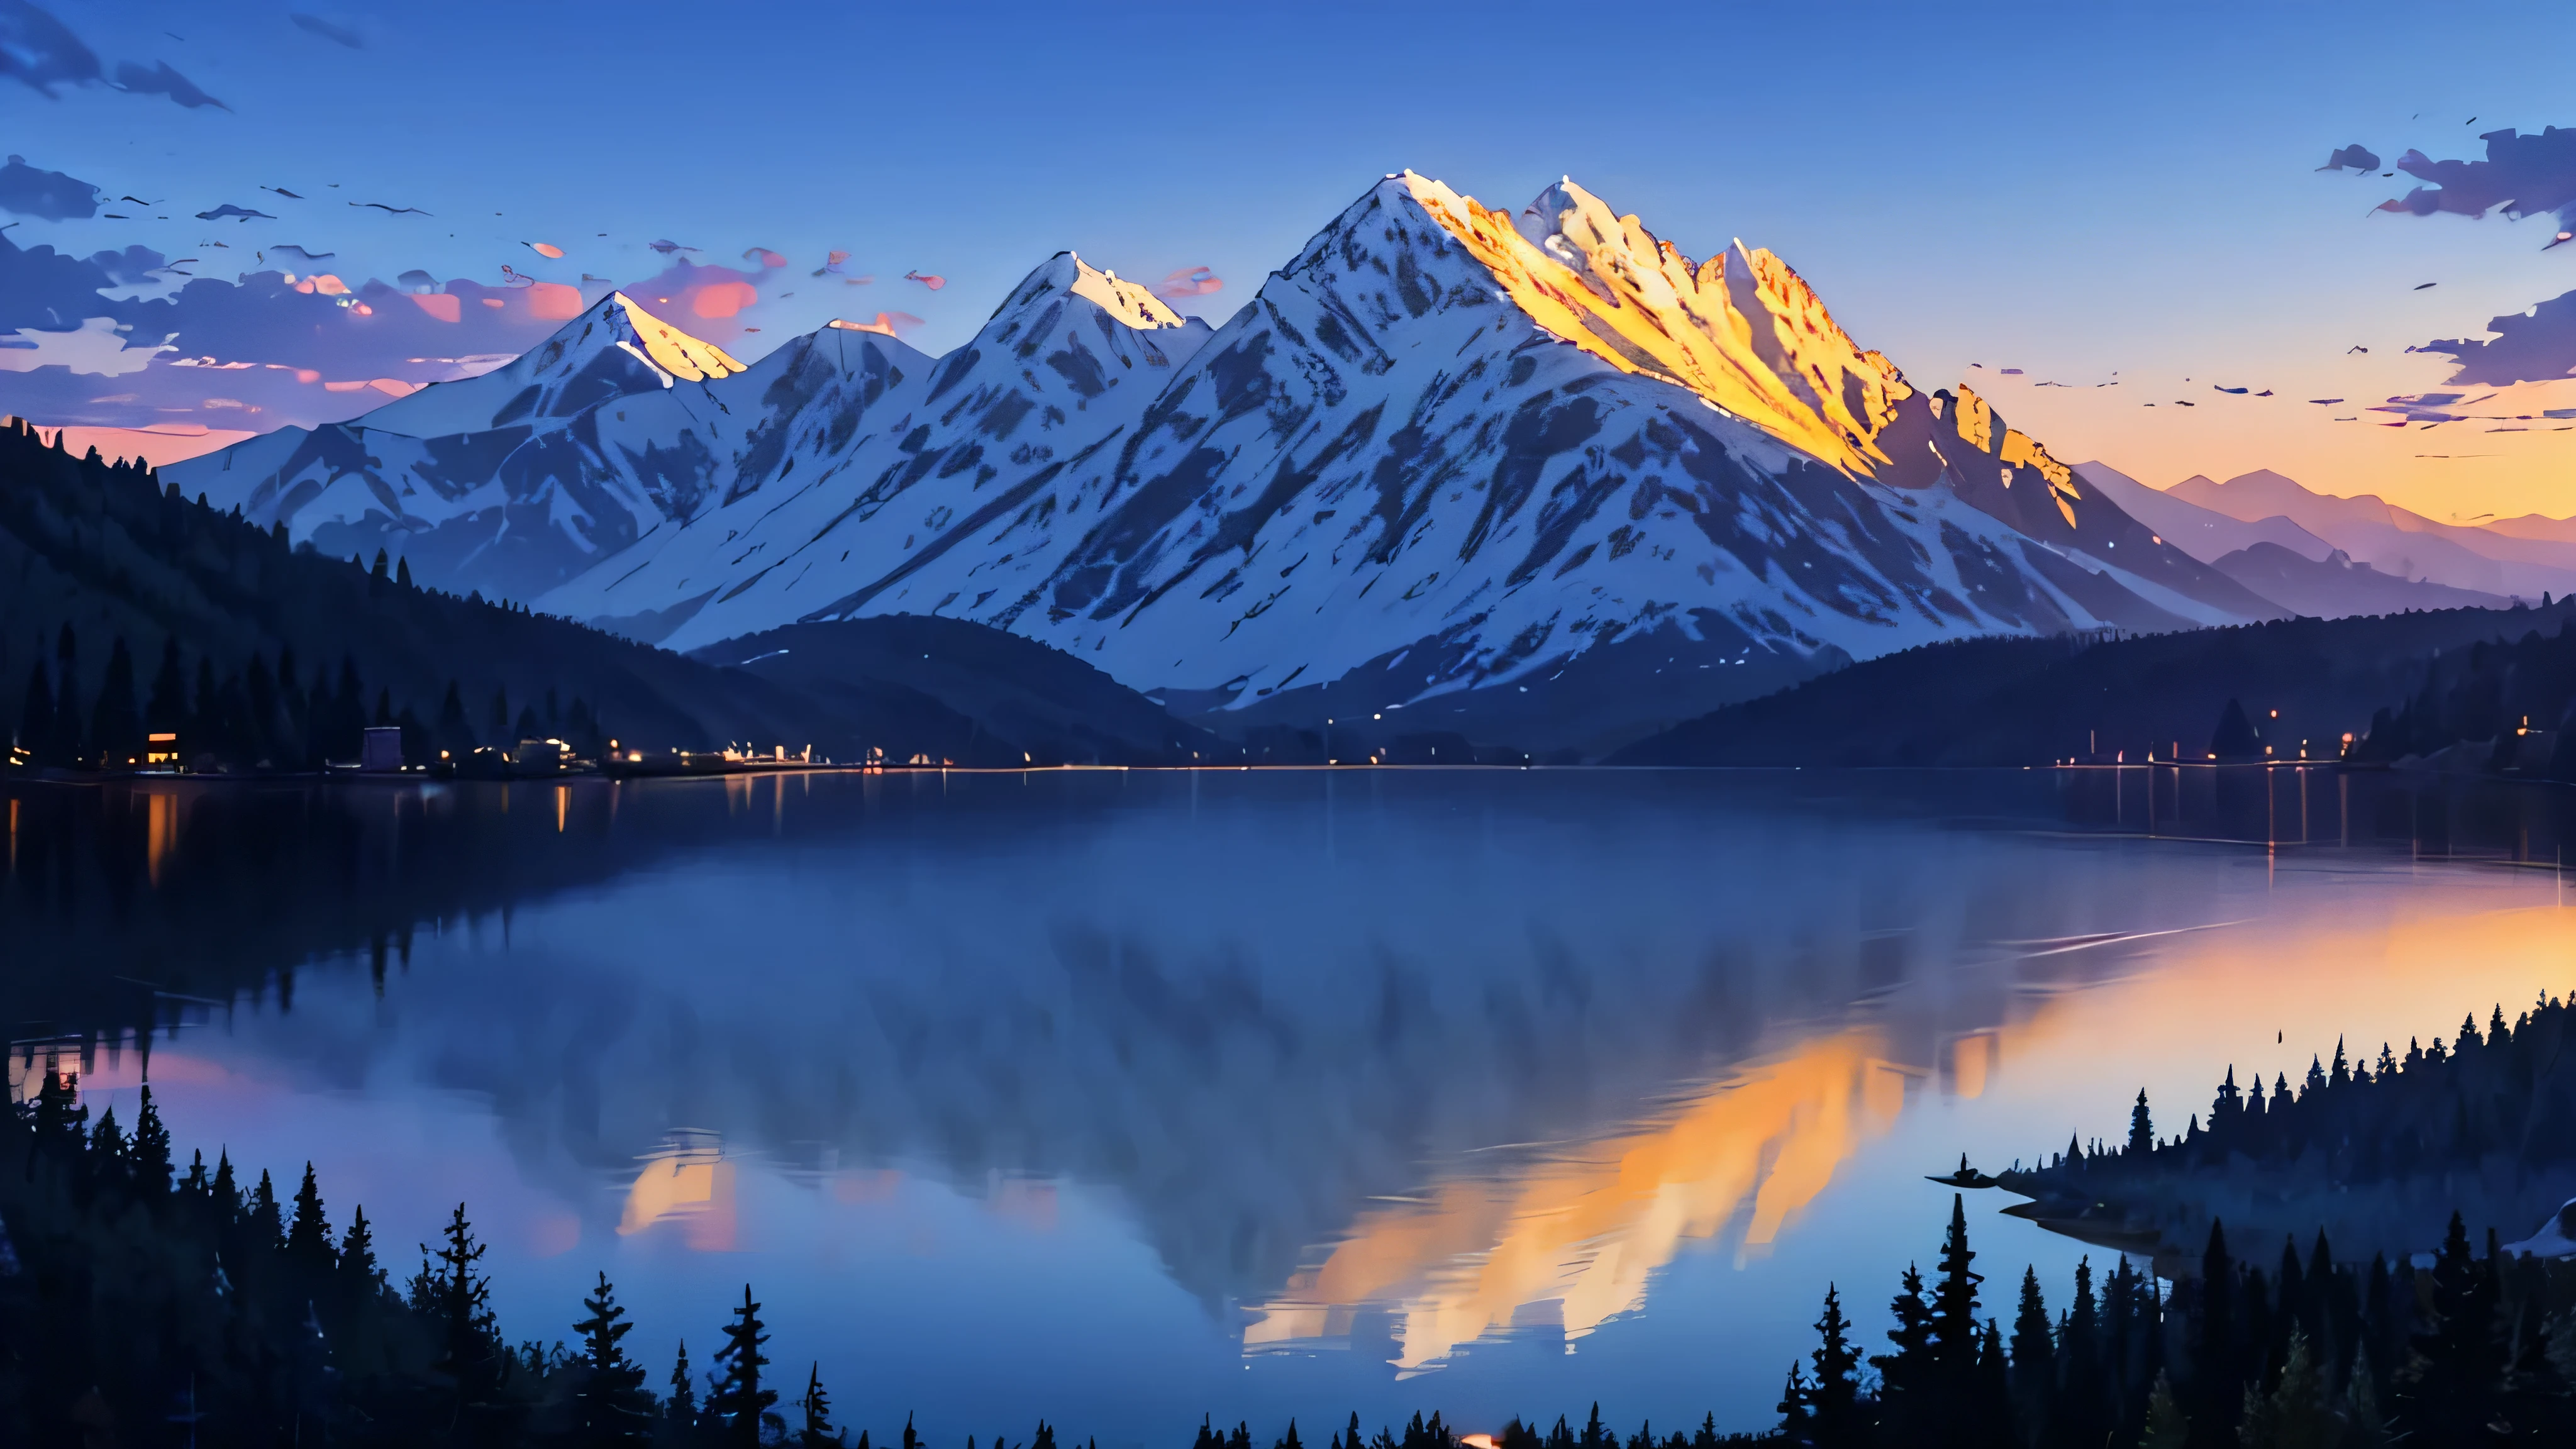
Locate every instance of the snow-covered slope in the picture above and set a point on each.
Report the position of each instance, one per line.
(513, 481)
(1535, 478)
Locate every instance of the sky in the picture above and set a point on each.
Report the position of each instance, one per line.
(2094, 194)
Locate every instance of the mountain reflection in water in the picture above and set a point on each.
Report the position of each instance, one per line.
(1448, 1069)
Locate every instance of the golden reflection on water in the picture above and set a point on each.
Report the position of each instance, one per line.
(688, 1182)
(1585, 1229)
(1574, 1234)
(161, 830)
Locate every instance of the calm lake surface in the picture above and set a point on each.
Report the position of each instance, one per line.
(1123, 1098)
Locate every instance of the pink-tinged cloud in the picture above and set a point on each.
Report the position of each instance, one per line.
(1189, 282)
(932, 282)
(765, 257)
(159, 445)
(548, 250)
(440, 305)
(554, 302)
(723, 299)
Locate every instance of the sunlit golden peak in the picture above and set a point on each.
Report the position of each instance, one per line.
(1129, 302)
(1741, 329)
(673, 352)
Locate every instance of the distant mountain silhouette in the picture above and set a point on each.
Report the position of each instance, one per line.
(2336, 587)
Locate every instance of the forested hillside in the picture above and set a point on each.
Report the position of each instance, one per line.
(2029, 701)
(126, 608)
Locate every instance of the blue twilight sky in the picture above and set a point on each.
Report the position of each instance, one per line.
(2073, 190)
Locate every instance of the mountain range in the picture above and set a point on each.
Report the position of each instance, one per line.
(1531, 476)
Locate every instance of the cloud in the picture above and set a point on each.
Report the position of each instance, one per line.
(1189, 282)
(261, 352)
(93, 349)
(161, 80)
(338, 34)
(228, 209)
(2525, 175)
(2529, 346)
(41, 52)
(47, 194)
(259, 348)
(2356, 156)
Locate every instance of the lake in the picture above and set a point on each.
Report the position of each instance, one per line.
(1123, 1098)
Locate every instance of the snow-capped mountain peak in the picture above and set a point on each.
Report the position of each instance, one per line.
(1128, 302)
(614, 347)
(1539, 478)
(666, 348)
(1742, 330)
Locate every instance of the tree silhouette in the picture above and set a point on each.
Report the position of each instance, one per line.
(739, 1399)
(1835, 1419)
(680, 1406)
(610, 1406)
(116, 724)
(149, 1152)
(816, 1410)
(459, 1300)
(308, 1235)
(2447, 1389)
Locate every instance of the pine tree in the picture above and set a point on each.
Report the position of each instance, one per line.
(2214, 1361)
(402, 572)
(2296, 1414)
(816, 1407)
(107, 1154)
(2034, 1353)
(2142, 1127)
(361, 1278)
(1289, 1441)
(224, 1197)
(459, 1300)
(1954, 1302)
(167, 708)
(267, 1221)
(1836, 1420)
(1990, 1406)
(308, 1236)
(610, 1407)
(116, 722)
(151, 1149)
(2166, 1427)
(680, 1406)
(1908, 1386)
(454, 733)
(36, 714)
(2447, 1390)
(1796, 1418)
(2085, 1393)
(739, 1400)
(68, 747)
